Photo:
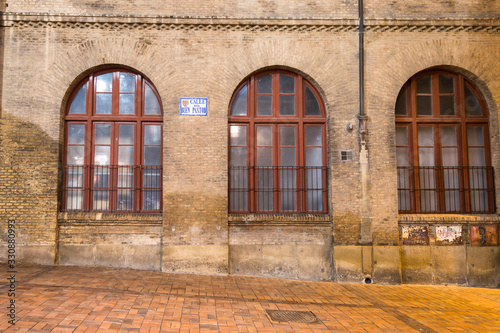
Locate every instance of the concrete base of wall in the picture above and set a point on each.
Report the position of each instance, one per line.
(30, 254)
(197, 259)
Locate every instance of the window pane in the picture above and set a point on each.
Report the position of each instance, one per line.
(401, 103)
(314, 156)
(401, 136)
(264, 105)
(426, 157)
(79, 103)
(265, 84)
(311, 103)
(152, 134)
(314, 136)
(74, 188)
(287, 84)
(425, 136)
(102, 155)
(264, 136)
(287, 136)
(100, 188)
(264, 156)
(287, 105)
(126, 136)
(238, 135)
(448, 136)
(151, 104)
(75, 155)
(127, 83)
(447, 105)
(76, 134)
(104, 83)
(127, 104)
(151, 188)
(287, 157)
(472, 106)
(103, 104)
(238, 156)
(152, 155)
(424, 85)
(446, 84)
(240, 103)
(450, 157)
(475, 136)
(126, 155)
(102, 134)
(477, 157)
(424, 105)
(402, 157)
(314, 200)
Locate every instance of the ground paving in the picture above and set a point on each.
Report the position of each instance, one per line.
(95, 299)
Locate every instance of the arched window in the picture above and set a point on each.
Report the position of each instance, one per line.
(443, 146)
(113, 145)
(277, 146)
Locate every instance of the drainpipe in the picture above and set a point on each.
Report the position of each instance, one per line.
(365, 205)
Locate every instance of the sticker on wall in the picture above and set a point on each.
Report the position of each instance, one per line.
(415, 235)
(193, 106)
(449, 235)
(483, 235)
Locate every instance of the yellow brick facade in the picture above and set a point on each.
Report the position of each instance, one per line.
(206, 49)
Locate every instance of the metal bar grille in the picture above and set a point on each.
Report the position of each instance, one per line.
(112, 188)
(278, 189)
(446, 189)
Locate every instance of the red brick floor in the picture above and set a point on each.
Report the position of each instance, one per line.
(94, 299)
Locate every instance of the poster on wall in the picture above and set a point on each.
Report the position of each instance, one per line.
(193, 106)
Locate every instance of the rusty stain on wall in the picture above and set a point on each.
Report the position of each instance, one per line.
(415, 235)
(449, 235)
(483, 235)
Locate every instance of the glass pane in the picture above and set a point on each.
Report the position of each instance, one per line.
(472, 106)
(79, 103)
(126, 136)
(450, 157)
(401, 103)
(311, 103)
(151, 188)
(152, 134)
(425, 136)
(126, 155)
(127, 83)
(75, 155)
(100, 188)
(314, 156)
(314, 136)
(424, 105)
(288, 185)
(428, 199)
(424, 85)
(402, 157)
(102, 155)
(238, 135)
(151, 104)
(127, 104)
(103, 104)
(287, 136)
(446, 84)
(264, 136)
(447, 105)
(448, 136)
(477, 157)
(238, 156)
(287, 84)
(287, 105)
(240, 103)
(314, 201)
(475, 136)
(152, 155)
(264, 105)
(265, 84)
(102, 134)
(287, 157)
(401, 136)
(104, 83)
(426, 157)
(76, 134)
(264, 156)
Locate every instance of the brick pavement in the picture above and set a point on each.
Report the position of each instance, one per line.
(94, 299)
